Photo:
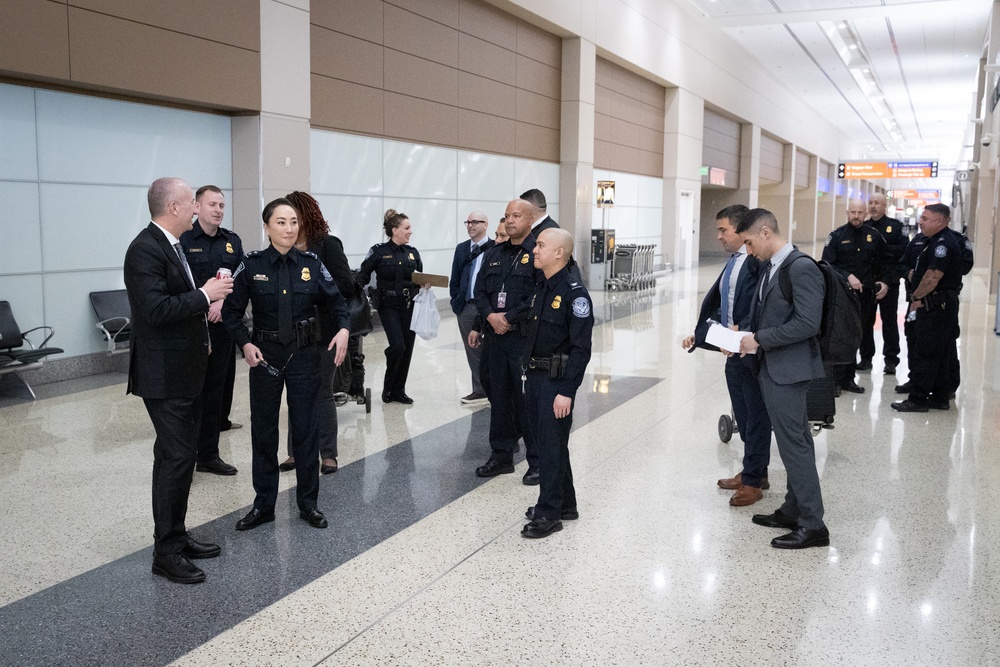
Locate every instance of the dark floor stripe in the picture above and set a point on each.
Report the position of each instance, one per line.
(119, 614)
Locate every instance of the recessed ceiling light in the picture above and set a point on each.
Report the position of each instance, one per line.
(854, 47)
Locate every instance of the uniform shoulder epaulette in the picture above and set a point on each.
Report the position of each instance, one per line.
(255, 253)
(576, 286)
(309, 253)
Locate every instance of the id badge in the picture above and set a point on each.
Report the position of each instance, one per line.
(501, 299)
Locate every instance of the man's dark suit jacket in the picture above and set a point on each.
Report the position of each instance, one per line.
(711, 306)
(546, 223)
(458, 286)
(169, 336)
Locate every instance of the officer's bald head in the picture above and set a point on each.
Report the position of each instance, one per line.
(553, 250)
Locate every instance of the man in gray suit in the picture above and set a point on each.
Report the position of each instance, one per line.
(788, 359)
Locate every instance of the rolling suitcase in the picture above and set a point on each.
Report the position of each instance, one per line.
(821, 405)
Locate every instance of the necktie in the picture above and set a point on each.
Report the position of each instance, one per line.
(187, 268)
(726, 278)
(766, 268)
(467, 271)
(285, 333)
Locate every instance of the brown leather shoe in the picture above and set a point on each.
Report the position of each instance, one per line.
(746, 495)
(734, 483)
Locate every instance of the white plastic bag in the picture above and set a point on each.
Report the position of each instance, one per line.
(426, 317)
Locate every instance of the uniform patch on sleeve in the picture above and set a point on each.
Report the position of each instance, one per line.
(239, 269)
(940, 251)
(326, 274)
(581, 307)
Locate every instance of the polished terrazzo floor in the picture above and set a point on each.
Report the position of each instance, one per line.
(423, 563)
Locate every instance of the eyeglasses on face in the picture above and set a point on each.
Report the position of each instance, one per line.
(475, 222)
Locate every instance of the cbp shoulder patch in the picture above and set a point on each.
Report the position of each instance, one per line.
(581, 307)
(239, 269)
(326, 274)
(940, 251)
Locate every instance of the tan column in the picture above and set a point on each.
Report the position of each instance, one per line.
(683, 134)
(805, 207)
(576, 151)
(749, 165)
(271, 151)
(779, 198)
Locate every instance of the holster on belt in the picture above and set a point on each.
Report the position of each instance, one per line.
(307, 332)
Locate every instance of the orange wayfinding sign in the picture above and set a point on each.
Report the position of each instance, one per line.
(913, 169)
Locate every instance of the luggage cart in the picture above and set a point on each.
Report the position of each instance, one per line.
(632, 267)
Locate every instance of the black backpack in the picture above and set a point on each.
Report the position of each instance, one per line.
(840, 330)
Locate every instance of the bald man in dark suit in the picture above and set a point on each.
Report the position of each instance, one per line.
(170, 348)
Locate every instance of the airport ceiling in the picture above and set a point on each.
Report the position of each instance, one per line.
(897, 76)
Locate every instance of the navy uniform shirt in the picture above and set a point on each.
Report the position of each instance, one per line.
(561, 321)
(207, 254)
(506, 281)
(891, 230)
(943, 253)
(258, 280)
(393, 266)
(860, 251)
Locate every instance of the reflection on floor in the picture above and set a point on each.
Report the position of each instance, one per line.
(423, 562)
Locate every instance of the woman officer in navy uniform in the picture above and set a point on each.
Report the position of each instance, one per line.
(393, 264)
(285, 286)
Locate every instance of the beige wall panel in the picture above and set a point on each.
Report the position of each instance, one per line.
(442, 11)
(602, 127)
(360, 18)
(483, 132)
(653, 94)
(713, 157)
(538, 78)
(540, 143)
(722, 124)
(801, 170)
(418, 36)
(341, 105)
(538, 109)
(486, 22)
(486, 96)
(344, 57)
(636, 136)
(634, 111)
(604, 72)
(420, 120)
(127, 56)
(48, 57)
(421, 78)
(603, 154)
(539, 45)
(486, 59)
(603, 100)
(233, 22)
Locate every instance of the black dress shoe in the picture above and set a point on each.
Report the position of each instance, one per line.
(401, 397)
(803, 538)
(890, 369)
(865, 365)
(909, 406)
(195, 549)
(493, 468)
(852, 387)
(387, 397)
(532, 477)
(230, 426)
(541, 528)
(254, 518)
(903, 388)
(327, 469)
(775, 520)
(287, 464)
(939, 405)
(314, 517)
(177, 567)
(565, 515)
(216, 467)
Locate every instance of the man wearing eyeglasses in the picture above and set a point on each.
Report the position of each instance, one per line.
(464, 269)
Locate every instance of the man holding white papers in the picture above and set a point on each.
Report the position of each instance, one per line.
(730, 302)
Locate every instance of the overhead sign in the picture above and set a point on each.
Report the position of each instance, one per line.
(717, 176)
(915, 169)
(914, 194)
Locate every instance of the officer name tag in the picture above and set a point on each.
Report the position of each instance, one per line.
(190, 250)
(501, 299)
(260, 276)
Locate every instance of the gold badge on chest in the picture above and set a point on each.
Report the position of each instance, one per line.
(556, 302)
(524, 259)
(869, 238)
(306, 276)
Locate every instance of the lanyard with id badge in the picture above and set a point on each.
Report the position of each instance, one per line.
(502, 294)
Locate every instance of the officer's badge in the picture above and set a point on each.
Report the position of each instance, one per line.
(524, 259)
(869, 239)
(940, 251)
(412, 258)
(229, 249)
(581, 307)
(888, 229)
(556, 302)
(306, 276)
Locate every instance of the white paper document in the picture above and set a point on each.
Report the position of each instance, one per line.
(726, 338)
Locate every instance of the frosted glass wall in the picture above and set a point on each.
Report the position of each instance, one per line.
(637, 216)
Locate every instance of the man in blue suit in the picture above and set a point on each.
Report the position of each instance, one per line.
(464, 270)
(730, 303)
(787, 355)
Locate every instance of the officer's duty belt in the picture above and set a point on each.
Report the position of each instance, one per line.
(264, 336)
